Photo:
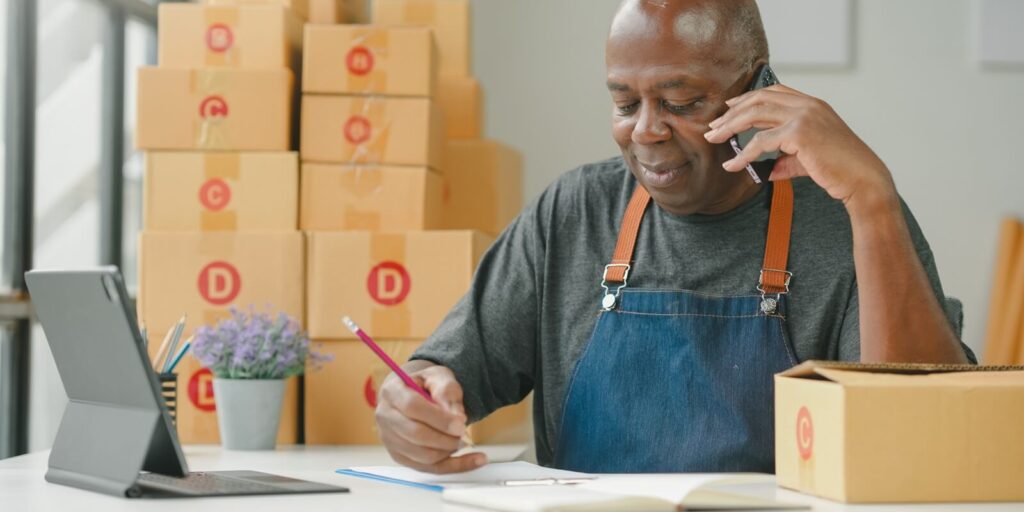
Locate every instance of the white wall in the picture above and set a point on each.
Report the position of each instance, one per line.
(948, 129)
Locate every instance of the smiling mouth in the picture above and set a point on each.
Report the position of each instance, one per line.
(661, 176)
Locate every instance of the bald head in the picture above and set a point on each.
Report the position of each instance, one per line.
(726, 29)
(672, 65)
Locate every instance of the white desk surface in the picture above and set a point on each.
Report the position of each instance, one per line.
(22, 487)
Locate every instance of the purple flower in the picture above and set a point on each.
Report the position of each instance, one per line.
(253, 345)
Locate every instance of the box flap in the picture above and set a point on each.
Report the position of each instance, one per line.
(847, 372)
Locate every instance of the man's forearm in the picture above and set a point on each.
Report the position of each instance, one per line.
(901, 319)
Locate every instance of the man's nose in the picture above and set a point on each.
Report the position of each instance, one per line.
(650, 127)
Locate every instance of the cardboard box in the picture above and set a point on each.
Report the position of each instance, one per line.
(201, 275)
(371, 130)
(328, 12)
(216, 108)
(344, 198)
(483, 185)
(204, 274)
(394, 285)
(221, 191)
(300, 7)
(369, 59)
(461, 101)
(256, 36)
(339, 11)
(197, 407)
(901, 432)
(512, 424)
(341, 398)
(450, 20)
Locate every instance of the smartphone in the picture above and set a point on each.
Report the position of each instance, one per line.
(761, 167)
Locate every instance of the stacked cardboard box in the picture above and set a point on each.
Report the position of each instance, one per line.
(221, 186)
(339, 11)
(385, 245)
(483, 179)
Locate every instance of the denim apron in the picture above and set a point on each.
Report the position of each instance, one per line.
(678, 381)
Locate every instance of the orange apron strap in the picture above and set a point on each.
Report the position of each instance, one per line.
(774, 278)
(618, 270)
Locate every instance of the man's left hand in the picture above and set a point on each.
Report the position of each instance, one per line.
(814, 140)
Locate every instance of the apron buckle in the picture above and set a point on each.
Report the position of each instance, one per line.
(769, 305)
(785, 284)
(610, 299)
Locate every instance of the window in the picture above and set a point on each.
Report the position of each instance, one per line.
(69, 71)
(67, 161)
(72, 128)
(140, 50)
(3, 136)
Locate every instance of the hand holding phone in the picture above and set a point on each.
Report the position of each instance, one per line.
(760, 168)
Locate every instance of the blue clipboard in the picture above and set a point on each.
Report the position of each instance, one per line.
(407, 483)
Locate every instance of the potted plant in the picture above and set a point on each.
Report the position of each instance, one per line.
(250, 355)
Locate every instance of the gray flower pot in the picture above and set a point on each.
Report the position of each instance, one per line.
(248, 412)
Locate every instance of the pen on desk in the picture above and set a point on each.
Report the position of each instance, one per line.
(409, 382)
(164, 345)
(545, 481)
(181, 354)
(171, 352)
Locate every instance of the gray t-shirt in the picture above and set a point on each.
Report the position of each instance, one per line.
(536, 296)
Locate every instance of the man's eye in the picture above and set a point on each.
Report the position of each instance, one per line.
(685, 108)
(626, 110)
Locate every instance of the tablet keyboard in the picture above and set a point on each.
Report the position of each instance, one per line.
(206, 484)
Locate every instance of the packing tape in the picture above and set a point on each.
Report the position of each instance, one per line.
(398, 317)
(223, 165)
(223, 279)
(367, 70)
(366, 131)
(387, 247)
(355, 219)
(420, 12)
(361, 181)
(222, 247)
(218, 221)
(220, 36)
(221, 171)
(212, 109)
(363, 185)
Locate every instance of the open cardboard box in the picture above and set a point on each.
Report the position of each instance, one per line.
(901, 432)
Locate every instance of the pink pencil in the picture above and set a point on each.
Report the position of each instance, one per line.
(466, 441)
(387, 359)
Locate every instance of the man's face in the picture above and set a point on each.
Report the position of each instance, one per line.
(669, 75)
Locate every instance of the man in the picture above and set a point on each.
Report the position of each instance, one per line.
(650, 333)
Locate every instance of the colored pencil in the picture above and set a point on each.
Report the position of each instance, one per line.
(165, 344)
(174, 343)
(181, 354)
(409, 382)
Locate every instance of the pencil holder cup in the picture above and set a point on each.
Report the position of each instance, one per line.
(169, 393)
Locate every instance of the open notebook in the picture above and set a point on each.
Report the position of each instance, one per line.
(660, 492)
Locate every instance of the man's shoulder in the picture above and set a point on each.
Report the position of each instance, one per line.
(608, 174)
(582, 196)
(812, 203)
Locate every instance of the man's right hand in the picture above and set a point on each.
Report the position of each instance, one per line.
(420, 434)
